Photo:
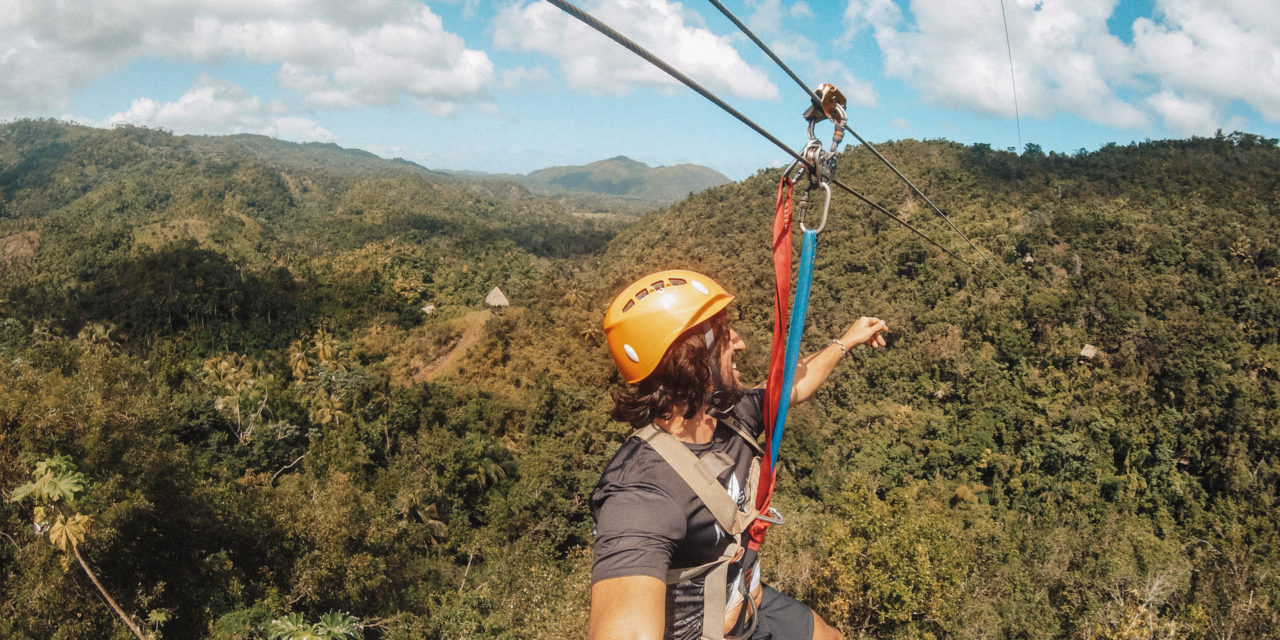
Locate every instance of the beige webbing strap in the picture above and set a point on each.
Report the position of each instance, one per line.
(701, 475)
(705, 486)
(715, 462)
(715, 590)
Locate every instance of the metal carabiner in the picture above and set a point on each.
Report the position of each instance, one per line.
(826, 206)
(773, 518)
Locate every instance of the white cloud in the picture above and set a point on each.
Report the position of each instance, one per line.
(877, 15)
(517, 78)
(592, 63)
(1216, 51)
(764, 17)
(336, 54)
(1188, 61)
(802, 56)
(955, 55)
(1185, 117)
(800, 10)
(211, 106)
(214, 107)
(297, 129)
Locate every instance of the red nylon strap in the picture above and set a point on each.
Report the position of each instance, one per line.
(773, 387)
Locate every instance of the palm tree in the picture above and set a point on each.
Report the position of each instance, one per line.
(234, 376)
(327, 350)
(485, 472)
(335, 625)
(54, 486)
(327, 409)
(299, 366)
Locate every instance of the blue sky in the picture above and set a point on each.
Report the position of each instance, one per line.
(514, 86)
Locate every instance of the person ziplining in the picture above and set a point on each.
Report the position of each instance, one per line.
(673, 505)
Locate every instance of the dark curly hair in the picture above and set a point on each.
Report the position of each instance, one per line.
(688, 373)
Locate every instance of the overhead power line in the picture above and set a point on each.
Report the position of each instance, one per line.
(612, 34)
(1017, 117)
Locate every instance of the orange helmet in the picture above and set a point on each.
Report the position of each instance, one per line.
(652, 312)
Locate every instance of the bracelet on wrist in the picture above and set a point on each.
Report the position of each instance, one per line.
(843, 349)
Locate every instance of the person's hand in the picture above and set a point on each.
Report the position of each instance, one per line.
(865, 330)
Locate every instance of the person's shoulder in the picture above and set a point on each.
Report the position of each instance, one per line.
(635, 461)
(753, 396)
(750, 410)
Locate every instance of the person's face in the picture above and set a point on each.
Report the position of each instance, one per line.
(728, 359)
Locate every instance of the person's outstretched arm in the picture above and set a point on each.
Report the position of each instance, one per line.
(627, 608)
(813, 369)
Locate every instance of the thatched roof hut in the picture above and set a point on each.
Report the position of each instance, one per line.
(496, 300)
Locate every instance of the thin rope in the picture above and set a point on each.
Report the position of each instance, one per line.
(1017, 116)
(817, 101)
(592, 22)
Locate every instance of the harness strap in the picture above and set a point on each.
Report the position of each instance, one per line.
(715, 589)
(795, 328)
(701, 475)
(774, 384)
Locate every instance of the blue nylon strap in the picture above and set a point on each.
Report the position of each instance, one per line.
(795, 327)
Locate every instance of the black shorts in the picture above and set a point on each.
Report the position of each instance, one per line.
(782, 617)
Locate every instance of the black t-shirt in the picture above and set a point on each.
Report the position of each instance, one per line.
(648, 520)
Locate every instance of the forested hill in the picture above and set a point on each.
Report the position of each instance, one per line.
(626, 177)
(619, 179)
(118, 226)
(266, 428)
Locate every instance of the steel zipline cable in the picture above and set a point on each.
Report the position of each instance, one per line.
(604, 29)
(817, 101)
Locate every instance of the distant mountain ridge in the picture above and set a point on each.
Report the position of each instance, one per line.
(619, 177)
(615, 186)
(325, 156)
(629, 184)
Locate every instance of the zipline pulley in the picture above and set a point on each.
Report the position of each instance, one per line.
(832, 104)
(832, 108)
